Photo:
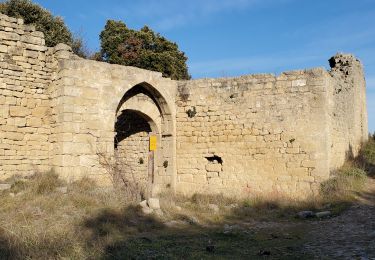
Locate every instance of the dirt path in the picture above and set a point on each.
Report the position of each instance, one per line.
(348, 236)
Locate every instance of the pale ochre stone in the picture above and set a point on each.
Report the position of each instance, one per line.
(19, 111)
(237, 136)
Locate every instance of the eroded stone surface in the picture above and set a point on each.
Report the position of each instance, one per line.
(237, 136)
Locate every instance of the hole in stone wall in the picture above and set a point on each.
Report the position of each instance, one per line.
(215, 159)
(191, 112)
(165, 164)
(234, 95)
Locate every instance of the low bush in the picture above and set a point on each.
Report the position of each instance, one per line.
(345, 181)
(43, 183)
(368, 152)
(39, 183)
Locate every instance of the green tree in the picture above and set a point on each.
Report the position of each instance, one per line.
(143, 49)
(54, 29)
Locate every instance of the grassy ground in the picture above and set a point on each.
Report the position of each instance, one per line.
(37, 221)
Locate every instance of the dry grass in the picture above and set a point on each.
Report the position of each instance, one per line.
(38, 222)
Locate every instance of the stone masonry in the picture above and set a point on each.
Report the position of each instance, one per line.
(237, 136)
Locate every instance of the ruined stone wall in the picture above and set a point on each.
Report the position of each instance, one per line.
(237, 136)
(348, 116)
(92, 95)
(26, 75)
(253, 134)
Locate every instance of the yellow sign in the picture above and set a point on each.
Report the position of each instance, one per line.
(153, 141)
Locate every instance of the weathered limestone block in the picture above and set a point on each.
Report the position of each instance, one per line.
(213, 167)
(16, 111)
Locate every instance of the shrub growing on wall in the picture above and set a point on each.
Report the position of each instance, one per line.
(54, 29)
(143, 49)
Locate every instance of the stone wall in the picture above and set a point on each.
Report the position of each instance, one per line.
(26, 76)
(238, 136)
(348, 116)
(267, 133)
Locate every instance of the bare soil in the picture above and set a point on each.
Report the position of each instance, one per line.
(351, 235)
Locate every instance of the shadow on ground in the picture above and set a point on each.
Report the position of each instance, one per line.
(266, 231)
(131, 235)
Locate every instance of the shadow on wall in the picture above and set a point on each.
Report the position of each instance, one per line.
(129, 123)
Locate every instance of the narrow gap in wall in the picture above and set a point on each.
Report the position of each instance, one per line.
(215, 159)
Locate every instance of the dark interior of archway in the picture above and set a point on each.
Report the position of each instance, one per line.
(129, 123)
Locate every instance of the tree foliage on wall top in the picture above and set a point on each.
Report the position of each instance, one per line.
(143, 49)
(54, 29)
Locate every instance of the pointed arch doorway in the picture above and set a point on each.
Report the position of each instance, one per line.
(144, 139)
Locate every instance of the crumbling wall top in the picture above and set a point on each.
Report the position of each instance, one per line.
(344, 64)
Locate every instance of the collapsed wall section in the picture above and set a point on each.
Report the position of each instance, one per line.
(253, 134)
(26, 73)
(348, 112)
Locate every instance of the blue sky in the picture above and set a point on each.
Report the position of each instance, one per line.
(236, 37)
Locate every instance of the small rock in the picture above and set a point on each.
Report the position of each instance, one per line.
(193, 220)
(5, 186)
(154, 203)
(231, 206)
(178, 208)
(159, 212)
(213, 207)
(12, 194)
(174, 223)
(323, 214)
(305, 214)
(147, 211)
(143, 204)
(63, 190)
(20, 193)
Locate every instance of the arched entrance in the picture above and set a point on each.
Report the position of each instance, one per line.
(143, 139)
